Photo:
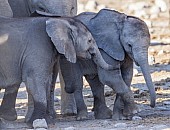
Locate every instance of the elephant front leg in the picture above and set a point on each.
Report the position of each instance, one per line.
(81, 106)
(68, 104)
(115, 81)
(130, 108)
(101, 111)
(7, 108)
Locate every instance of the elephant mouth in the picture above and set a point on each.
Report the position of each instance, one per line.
(85, 55)
(45, 13)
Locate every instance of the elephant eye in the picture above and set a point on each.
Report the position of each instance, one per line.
(89, 40)
(130, 46)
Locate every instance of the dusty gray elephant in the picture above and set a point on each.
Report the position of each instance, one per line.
(121, 39)
(30, 45)
(5, 9)
(24, 8)
(73, 79)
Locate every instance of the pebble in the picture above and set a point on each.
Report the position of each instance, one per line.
(135, 118)
(161, 4)
(166, 102)
(161, 52)
(40, 123)
(69, 128)
(120, 125)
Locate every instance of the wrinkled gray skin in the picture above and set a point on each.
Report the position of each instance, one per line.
(122, 39)
(34, 43)
(73, 79)
(24, 8)
(5, 9)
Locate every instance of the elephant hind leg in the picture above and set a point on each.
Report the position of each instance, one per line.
(7, 108)
(37, 90)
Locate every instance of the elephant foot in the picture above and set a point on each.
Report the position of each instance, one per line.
(118, 116)
(130, 110)
(8, 114)
(52, 113)
(68, 109)
(103, 113)
(130, 107)
(82, 115)
(49, 120)
(69, 112)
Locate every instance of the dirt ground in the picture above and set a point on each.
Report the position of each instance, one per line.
(157, 118)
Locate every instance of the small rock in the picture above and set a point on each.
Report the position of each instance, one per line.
(136, 118)
(161, 4)
(69, 128)
(40, 123)
(166, 102)
(56, 99)
(161, 52)
(120, 125)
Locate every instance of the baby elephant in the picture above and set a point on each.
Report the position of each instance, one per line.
(29, 48)
(121, 39)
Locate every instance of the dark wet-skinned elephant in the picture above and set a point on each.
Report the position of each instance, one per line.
(29, 49)
(121, 39)
(25, 8)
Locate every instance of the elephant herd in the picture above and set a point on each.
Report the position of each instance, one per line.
(38, 39)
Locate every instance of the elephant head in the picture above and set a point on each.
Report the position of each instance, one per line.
(135, 39)
(78, 41)
(118, 34)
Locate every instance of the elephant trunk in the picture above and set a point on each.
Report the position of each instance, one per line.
(98, 59)
(142, 61)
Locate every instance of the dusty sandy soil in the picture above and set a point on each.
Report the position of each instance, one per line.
(157, 118)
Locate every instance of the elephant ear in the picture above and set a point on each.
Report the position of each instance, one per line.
(104, 28)
(62, 35)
